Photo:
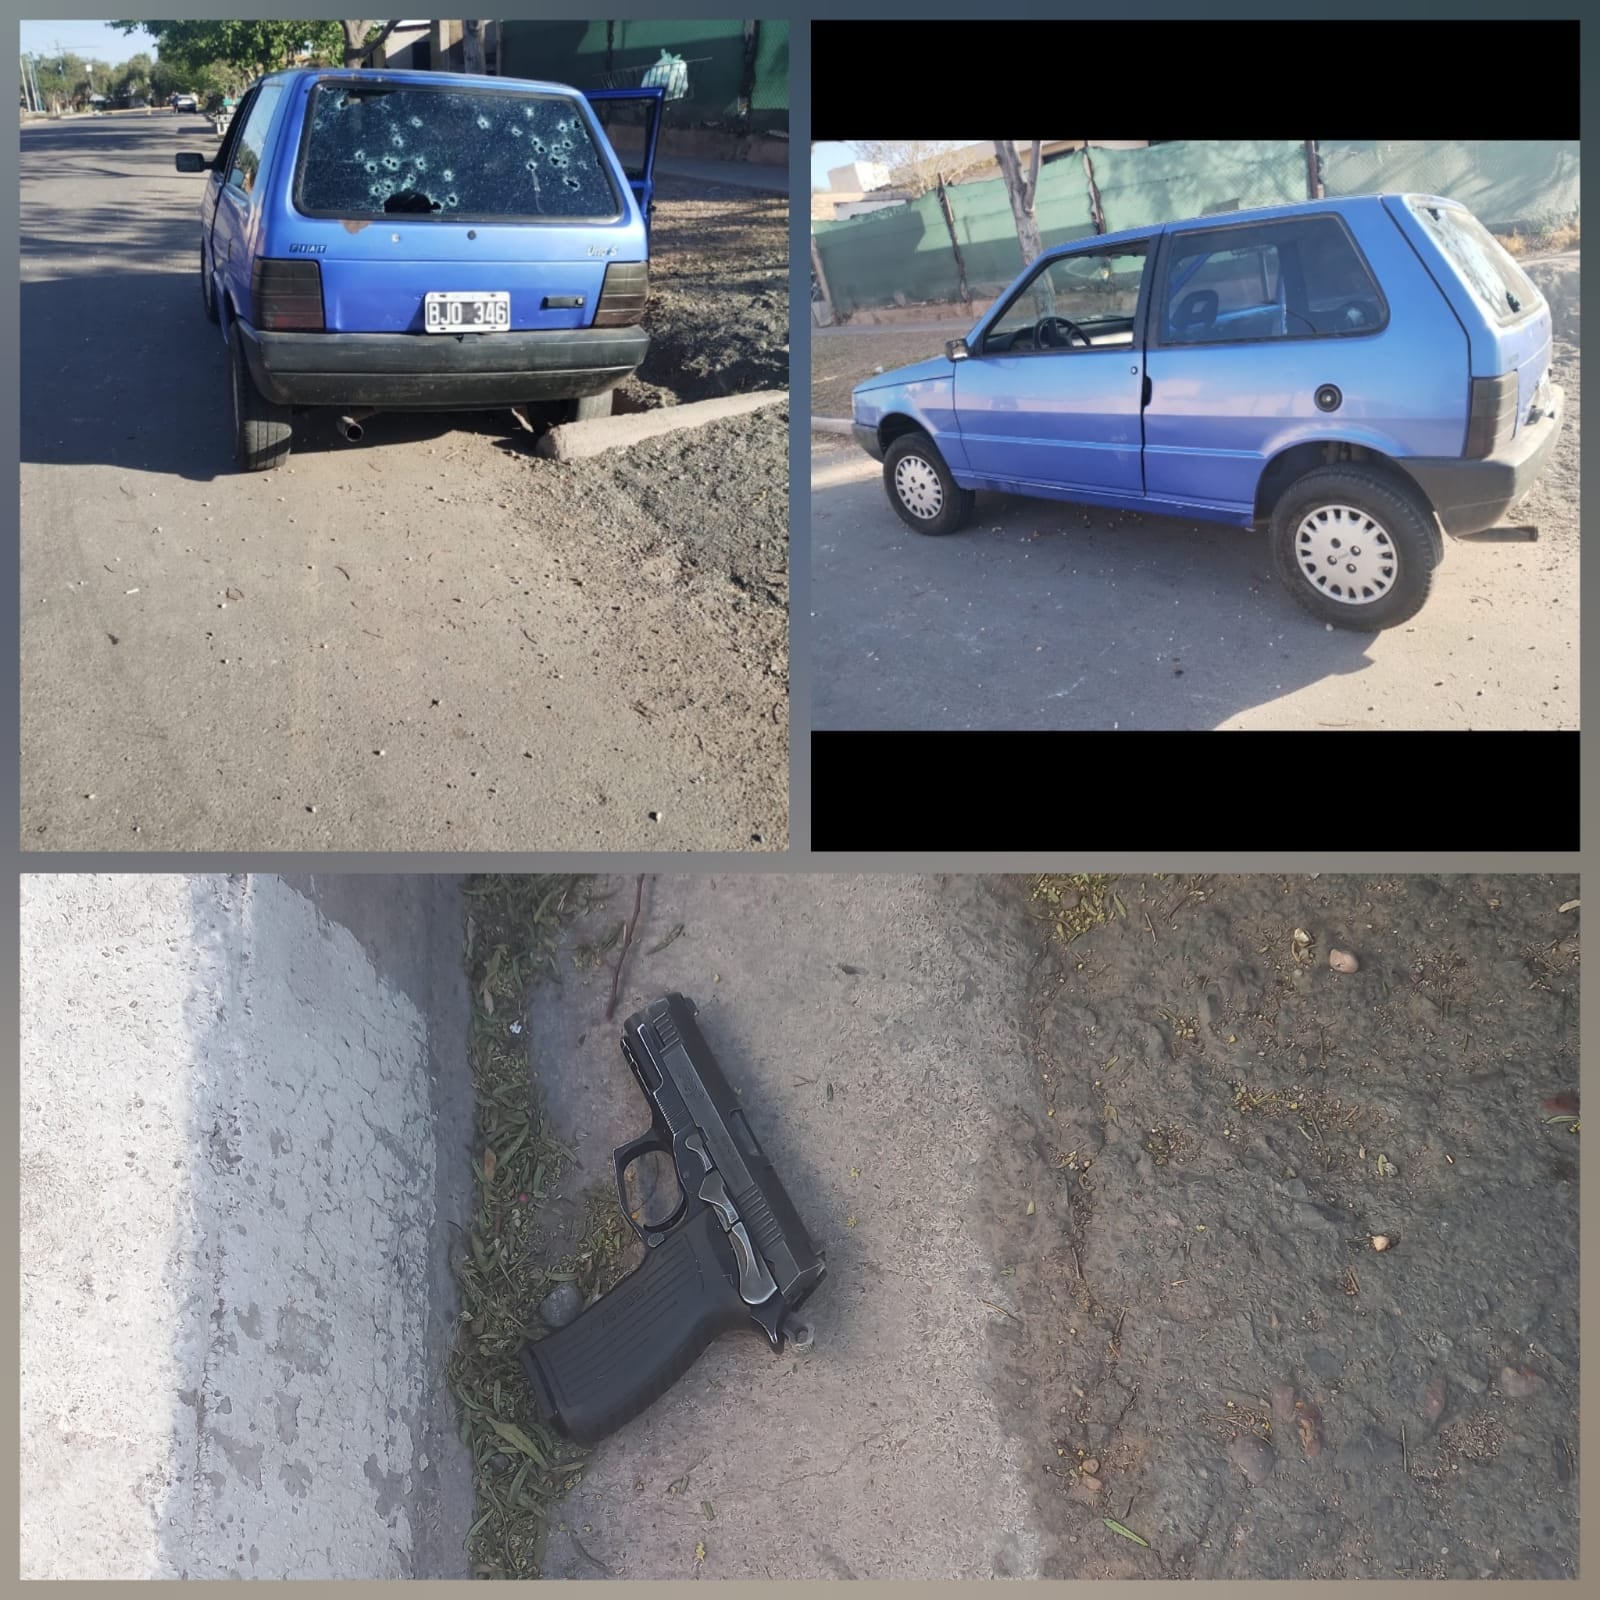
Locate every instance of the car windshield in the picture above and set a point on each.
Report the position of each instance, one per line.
(376, 148)
(1496, 282)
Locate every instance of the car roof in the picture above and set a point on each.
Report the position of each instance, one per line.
(1299, 208)
(414, 77)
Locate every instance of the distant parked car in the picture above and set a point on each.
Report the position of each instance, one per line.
(509, 265)
(1359, 376)
(185, 102)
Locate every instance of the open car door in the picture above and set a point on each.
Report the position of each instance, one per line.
(632, 120)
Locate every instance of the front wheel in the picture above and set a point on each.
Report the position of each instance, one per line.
(207, 298)
(1354, 548)
(261, 427)
(920, 486)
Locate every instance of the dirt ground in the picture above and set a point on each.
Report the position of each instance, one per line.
(719, 298)
(1099, 1217)
(1222, 1124)
(842, 357)
(430, 640)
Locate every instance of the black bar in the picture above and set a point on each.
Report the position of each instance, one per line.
(1311, 792)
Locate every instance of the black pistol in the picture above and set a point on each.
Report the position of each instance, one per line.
(734, 1252)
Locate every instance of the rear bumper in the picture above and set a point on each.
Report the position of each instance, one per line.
(867, 438)
(428, 372)
(1470, 496)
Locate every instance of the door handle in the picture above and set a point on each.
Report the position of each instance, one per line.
(1144, 398)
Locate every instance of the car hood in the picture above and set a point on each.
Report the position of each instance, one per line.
(917, 372)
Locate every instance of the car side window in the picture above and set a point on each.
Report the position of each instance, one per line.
(1300, 278)
(230, 140)
(1085, 301)
(244, 164)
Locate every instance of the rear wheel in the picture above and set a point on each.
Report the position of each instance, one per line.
(261, 427)
(589, 406)
(920, 487)
(1354, 547)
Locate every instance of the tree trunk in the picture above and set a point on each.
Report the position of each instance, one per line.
(472, 47)
(825, 299)
(1021, 192)
(355, 51)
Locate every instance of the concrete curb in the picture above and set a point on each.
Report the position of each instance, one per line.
(244, 1167)
(830, 425)
(573, 441)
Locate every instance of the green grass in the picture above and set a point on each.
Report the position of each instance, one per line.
(506, 1262)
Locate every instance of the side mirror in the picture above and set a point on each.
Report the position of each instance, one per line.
(191, 161)
(957, 349)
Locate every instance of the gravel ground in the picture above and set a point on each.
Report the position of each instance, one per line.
(1198, 1306)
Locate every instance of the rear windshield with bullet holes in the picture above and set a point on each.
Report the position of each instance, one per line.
(373, 150)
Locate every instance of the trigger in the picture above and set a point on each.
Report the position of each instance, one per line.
(624, 1157)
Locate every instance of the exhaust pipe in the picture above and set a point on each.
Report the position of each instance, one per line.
(349, 425)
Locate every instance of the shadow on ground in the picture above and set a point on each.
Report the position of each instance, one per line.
(1041, 615)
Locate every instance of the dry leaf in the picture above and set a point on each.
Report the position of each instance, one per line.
(700, 1551)
(1570, 905)
(490, 1161)
(1029, 1211)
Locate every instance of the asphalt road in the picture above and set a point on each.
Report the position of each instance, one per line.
(430, 640)
(1042, 615)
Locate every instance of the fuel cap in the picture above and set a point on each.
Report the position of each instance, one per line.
(1328, 397)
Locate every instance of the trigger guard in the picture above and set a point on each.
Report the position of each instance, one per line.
(624, 1157)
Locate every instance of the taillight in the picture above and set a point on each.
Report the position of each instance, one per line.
(1493, 418)
(623, 294)
(287, 295)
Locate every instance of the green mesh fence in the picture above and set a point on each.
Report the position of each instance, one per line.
(1507, 183)
(905, 253)
(725, 89)
(1139, 188)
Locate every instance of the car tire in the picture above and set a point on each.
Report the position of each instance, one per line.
(1354, 547)
(207, 298)
(589, 406)
(921, 489)
(261, 427)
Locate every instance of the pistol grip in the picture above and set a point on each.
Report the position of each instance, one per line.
(630, 1347)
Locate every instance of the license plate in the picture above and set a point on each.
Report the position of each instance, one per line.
(455, 311)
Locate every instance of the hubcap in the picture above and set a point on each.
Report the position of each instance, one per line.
(1346, 554)
(918, 486)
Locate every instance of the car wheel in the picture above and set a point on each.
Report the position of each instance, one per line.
(1354, 547)
(920, 486)
(261, 427)
(207, 298)
(589, 406)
